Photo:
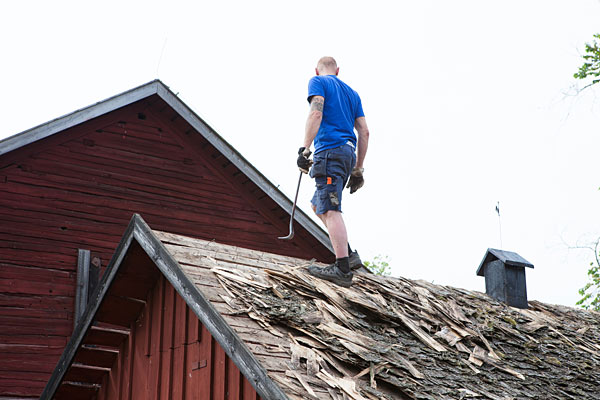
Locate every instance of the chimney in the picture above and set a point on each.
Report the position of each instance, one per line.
(504, 273)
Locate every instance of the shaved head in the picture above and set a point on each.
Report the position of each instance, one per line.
(326, 66)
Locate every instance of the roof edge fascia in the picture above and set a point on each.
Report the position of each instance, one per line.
(233, 346)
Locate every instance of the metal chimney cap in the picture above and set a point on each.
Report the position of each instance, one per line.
(507, 257)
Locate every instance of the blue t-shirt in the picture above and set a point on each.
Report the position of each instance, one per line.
(342, 107)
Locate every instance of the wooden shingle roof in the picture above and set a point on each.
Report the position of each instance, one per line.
(392, 337)
(298, 337)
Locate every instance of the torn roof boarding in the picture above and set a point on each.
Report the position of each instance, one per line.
(382, 338)
(397, 338)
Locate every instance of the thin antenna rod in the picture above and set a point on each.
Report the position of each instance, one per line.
(499, 223)
(161, 54)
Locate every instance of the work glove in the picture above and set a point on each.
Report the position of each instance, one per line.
(303, 161)
(356, 180)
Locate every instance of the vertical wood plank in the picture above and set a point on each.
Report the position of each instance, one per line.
(83, 277)
(119, 371)
(141, 352)
(233, 380)
(179, 349)
(184, 346)
(219, 377)
(205, 367)
(130, 357)
(150, 307)
(249, 392)
(154, 383)
(192, 355)
(166, 352)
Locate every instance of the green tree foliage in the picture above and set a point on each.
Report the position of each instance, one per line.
(590, 293)
(591, 63)
(379, 265)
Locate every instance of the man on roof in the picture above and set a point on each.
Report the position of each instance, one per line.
(335, 111)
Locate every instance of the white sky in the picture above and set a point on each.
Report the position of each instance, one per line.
(465, 101)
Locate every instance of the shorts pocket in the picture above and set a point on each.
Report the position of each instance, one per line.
(319, 168)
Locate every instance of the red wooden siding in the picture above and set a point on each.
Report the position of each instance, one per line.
(79, 189)
(168, 354)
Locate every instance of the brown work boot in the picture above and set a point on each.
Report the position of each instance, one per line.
(332, 273)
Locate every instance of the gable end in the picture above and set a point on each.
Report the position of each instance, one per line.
(139, 235)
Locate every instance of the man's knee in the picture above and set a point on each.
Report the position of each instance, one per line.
(331, 214)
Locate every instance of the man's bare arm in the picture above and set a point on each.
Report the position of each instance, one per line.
(313, 122)
(363, 140)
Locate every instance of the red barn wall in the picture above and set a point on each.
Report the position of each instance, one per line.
(79, 189)
(171, 355)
